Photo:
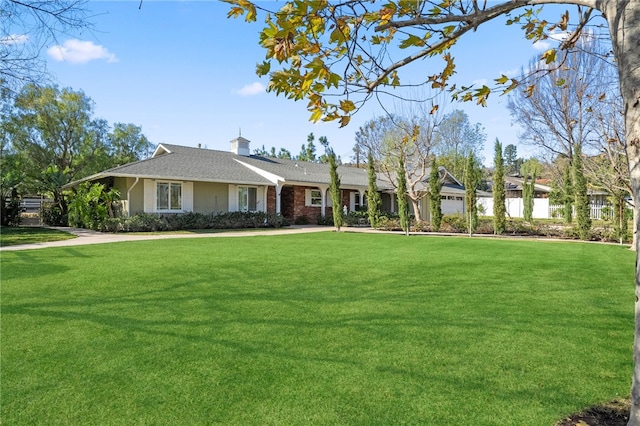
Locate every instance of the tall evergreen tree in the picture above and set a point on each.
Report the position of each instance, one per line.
(435, 200)
(583, 208)
(530, 171)
(528, 191)
(499, 196)
(334, 190)
(403, 205)
(471, 180)
(568, 195)
(511, 161)
(308, 151)
(373, 196)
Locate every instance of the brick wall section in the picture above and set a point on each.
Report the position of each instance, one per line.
(271, 200)
(292, 204)
(299, 208)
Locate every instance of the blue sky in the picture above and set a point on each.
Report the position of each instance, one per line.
(186, 74)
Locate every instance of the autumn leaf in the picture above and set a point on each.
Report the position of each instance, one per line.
(344, 120)
(387, 12)
(412, 40)
(347, 106)
(564, 21)
(502, 80)
(528, 92)
(316, 115)
(549, 56)
(263, 68)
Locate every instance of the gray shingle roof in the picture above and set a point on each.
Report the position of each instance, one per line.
(293, 171)
(176, 162)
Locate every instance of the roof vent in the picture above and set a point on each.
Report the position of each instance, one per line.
(240, 146)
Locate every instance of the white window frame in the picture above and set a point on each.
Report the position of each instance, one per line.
(170, 208)
(247, 207)
(317, 198)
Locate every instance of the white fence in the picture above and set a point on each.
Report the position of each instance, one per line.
(541, 208)
(33, 204)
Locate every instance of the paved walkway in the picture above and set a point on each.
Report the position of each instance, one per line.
(86, 236)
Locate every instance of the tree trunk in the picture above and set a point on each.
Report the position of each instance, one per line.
(634, 230)
(416, 209)
(623, 17)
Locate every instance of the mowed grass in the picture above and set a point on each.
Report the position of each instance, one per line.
(323, 329)
(10, 236)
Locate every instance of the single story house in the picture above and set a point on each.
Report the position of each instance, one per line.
(542, 207)
(179, 179)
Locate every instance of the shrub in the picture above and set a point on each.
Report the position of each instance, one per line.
(11, 210)
(114, 224)
(354, 218)
(53, 215)
(190, 220)
(303, 220)
(325, 220)
(485, 226)
(276, 220)
(454, 223)
(145, 222)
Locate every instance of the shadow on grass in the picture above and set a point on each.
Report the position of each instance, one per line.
(11, 236)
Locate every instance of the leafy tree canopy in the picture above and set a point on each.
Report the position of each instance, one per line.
(316, 50)
(56, 139)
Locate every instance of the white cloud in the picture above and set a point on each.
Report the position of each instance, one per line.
(80, 52)
(558, 36)
(511, 73)
(252, 89)
(14, 39)
(542, 45)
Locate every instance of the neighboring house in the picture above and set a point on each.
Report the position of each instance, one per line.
(513, 188)
(542, 208)
(178, 179)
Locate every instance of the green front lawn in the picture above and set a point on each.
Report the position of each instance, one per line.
(322, 328)
(11, 236)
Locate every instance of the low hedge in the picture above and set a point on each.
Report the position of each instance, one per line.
(145, 222)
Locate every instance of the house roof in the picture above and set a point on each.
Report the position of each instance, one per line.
(513, 183)
(176, 162)
(303, 172)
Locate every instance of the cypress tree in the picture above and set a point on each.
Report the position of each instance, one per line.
(435, 201)
(499, 196)
(568, 196)
(471, 179)
(334, 189)
(530, 171)
(583, 207)
(403, 206)
(373, 196)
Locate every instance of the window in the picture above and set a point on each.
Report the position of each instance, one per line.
(247, 199)
(316, 197)
(168, 196)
